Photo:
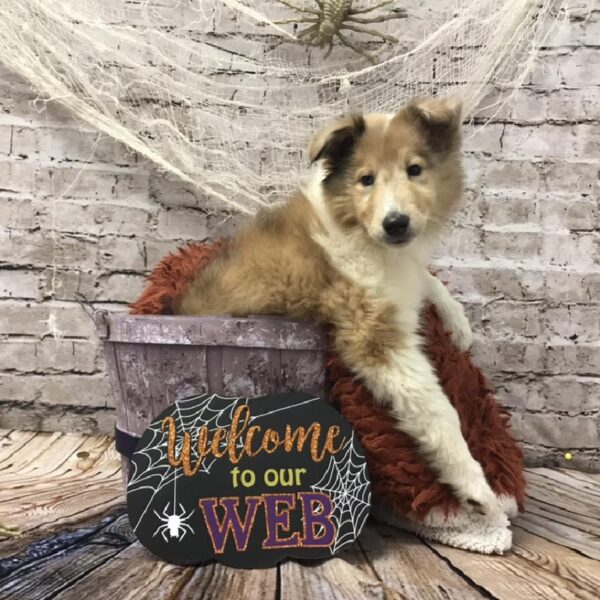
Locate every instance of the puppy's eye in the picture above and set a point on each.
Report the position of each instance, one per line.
(414, 170)
(367, 180)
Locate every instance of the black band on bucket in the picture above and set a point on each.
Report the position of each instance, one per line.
(125, 442)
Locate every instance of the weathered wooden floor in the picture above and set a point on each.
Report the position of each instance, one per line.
(63, 493)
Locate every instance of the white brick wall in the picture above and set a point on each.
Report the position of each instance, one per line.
(524, 253)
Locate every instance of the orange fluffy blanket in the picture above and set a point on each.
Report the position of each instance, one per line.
(400, 478)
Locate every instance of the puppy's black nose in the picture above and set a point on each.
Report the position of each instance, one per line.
(396, 226)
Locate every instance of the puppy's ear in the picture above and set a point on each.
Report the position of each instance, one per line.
(439, 119)
(336, 142)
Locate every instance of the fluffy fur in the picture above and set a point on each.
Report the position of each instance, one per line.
(328, 255)
(406, 492)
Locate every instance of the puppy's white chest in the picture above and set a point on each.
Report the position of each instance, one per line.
(396, 277)
(404, 286)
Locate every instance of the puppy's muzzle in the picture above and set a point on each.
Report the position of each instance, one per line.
(396, 226)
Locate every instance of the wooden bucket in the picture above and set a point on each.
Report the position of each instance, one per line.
(153, 361)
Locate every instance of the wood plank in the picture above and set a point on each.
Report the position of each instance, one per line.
(93, 454)
(11, 441)
(403, 563)
(221, 582)
(15, 554)
(511, 576)
(563, 483)
(68, 458)
(41, 579)
(542, 524)
(132, 574)
(563, 507)
(565, 489)
(582, 572)
(44, 452)
(58, 480)
(588, 482)
(53, 508)
(333, 579)
(579, 516)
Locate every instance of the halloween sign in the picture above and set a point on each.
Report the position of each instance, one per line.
(248, 481)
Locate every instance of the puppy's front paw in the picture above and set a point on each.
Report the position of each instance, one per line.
(457, 324)
(477, 496)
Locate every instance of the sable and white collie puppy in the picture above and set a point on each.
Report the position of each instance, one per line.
(351, 248)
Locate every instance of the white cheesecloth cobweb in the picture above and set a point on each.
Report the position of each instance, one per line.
(219, 95)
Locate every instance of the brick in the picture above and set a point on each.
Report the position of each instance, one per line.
(66, 143)
(175, 193)
(223, 224)
(90, 183)
(19, 284)
(572, 359)
(571, 176)
(63, 284)
(546, 141)
(122, 254)
(508, 356)
(6, 134)
(524, 105)
(515, 245)
(64, 389)
(571, 394)
(182, 225)
(48, 355)
(572, 212)
(485, 140)
(502, 209)
(569, 286)
(28, 318)
(17, 213)
(513, 318)
(120, 287)
(573, 105)
(16, 177)
(17, 388)
(516, 426)
(509, 175)
(578, 68)
(580, 323)
(519, 393)
(586, 460)
(568, 249)
(572, 30)
(522, 253)
(94, 420)
(486, 282)
(156, 250)
(97, 218)
(461, 242)
(561, 431)
(79, 390)
(38, 250)
(14, 415)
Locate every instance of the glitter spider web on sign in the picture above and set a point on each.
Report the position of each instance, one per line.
(346, 481)
(150, 472)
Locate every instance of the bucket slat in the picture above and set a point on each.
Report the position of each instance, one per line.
(255, 332)
(214, 369)
(153, 361)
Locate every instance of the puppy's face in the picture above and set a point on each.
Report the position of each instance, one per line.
(393, 177)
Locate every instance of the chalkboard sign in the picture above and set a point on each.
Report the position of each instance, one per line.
(248, 481)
